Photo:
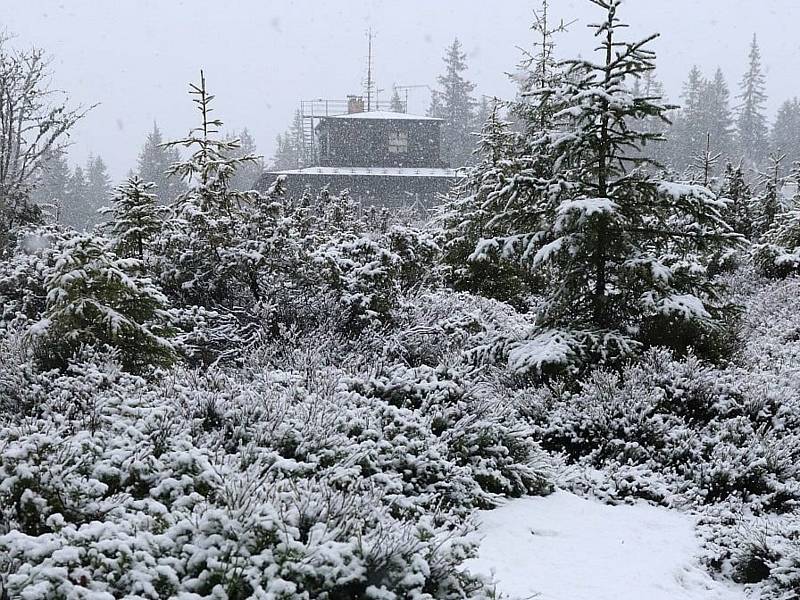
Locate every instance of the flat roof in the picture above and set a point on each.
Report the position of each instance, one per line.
(376, 172)
(383, 115)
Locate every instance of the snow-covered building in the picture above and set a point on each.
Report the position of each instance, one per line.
(382, 157)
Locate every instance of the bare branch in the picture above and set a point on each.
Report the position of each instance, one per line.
(35, 121)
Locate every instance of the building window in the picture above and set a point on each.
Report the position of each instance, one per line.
(398, 142)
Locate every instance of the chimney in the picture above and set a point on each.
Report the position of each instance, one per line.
(355, 104)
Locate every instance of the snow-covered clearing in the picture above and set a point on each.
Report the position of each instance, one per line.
(563, 547)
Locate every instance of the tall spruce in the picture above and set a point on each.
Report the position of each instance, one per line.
(623, 254)
(289, 151)
(717, 115)
(154, 162)
(705, 119)
(751, 121)
(454, 103)
(785, 137)
(98, 189)
(247, 173)
(688, 133)
(199, 243)
(52, 188)
(76, 211)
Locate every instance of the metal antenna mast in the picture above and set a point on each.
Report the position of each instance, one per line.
(370, 83)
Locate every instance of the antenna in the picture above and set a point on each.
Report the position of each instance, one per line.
(370, 83)
(405, 88)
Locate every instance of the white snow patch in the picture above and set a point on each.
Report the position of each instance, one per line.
(588, 206)
(551, 347)
(563, 547)
(680, 190)
(685, 305)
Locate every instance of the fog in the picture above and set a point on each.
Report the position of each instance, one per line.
(135, 58)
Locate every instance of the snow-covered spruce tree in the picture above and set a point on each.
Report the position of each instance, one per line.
(779, 253)
(95, 298)
(537, 70)
(718, 119)
(687, 133)
(98, 189)
(736, 191)
(751, 122)
(134, 219)
(496, 198)
(395, 103)
(468, 217)
(785, 136)
(198, 267)
(248, 172)
(454, 103)
(768, 205)
(75, 210)
(621, 251)
(289, 152)
(154, 161)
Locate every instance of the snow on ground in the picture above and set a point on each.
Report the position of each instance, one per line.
(562, 547)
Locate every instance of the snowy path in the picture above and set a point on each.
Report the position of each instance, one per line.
(563, 547)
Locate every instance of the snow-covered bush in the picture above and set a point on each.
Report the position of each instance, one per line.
(23, 276)
(481, 429)
(779, 253)
(676, 431)
(311, 482)
(539, 354)
(418, 251)
(152, 515)
(776, 261)
(761, 552)
(363, 274)
(368, 272)
(441, 326)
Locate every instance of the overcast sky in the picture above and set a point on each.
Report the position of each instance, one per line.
(261, 57)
